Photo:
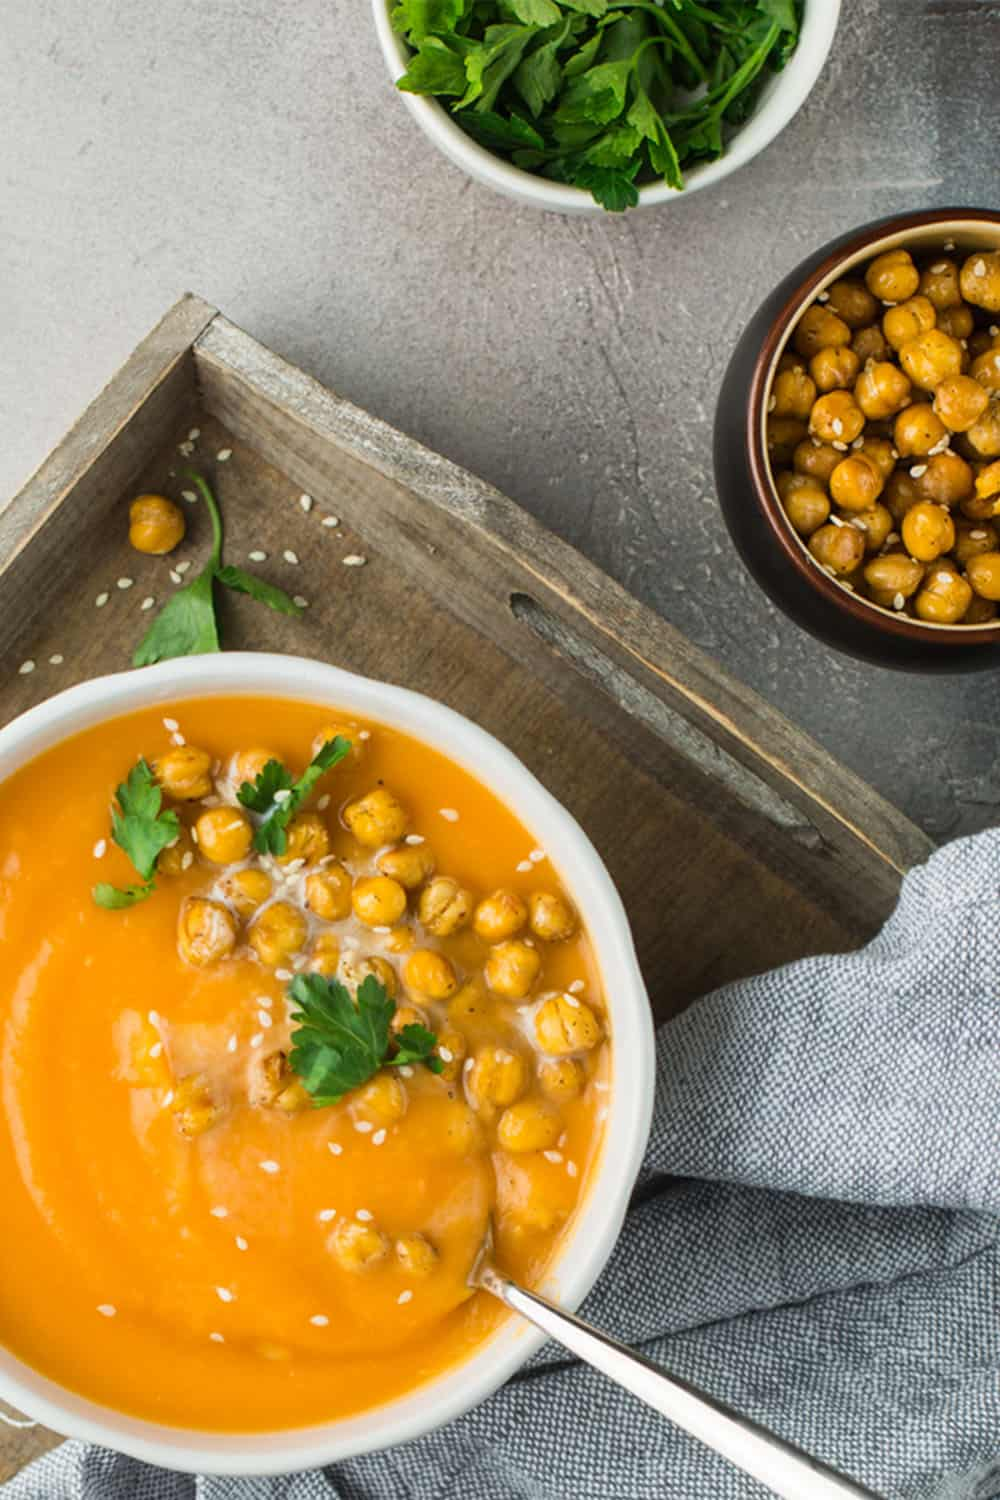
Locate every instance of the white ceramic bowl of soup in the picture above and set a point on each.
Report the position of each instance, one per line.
(594, 1228)
(781, 98)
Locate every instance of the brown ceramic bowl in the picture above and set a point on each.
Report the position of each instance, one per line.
(775, 553)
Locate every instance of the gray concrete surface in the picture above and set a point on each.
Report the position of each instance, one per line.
(257, 154)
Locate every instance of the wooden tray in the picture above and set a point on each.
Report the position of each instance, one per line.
(736, 842)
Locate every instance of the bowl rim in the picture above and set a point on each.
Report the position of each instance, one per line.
(579, 1259)
(788, 91)
(861, 242)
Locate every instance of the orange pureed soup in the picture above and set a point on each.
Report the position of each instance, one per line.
(187, 1236)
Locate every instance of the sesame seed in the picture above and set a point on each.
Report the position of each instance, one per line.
(56, 660)
(840, 446)
(265, 1002)
(101, 600)
(224, 455)
(153, 1017)
(949, 244)
(187, 448)
(285, 975)
(378, 1138)
(125, 583)
(979, 269)
(572, 1168)
(26, 667)
(269, 1166)
(404, 1297)
(467, 1066)
(326, 1214)
(257, 555)
(168, 1098)
(290, 556)
(319, 1320)
(189, 496)
(175, 577)
(301, 601)
(823, 297)
(148, 602)
(232, 1044)
(257, 1040)
(536, 856)
(837, 426)
(918, 470)
(282, 794)
(406, 1070)
(224, 1294)
(107, 1309)
(241, 1243)
(939, 266)
(334, 1147)
(178, 739)
(576, 987)
(100, 848)
(171, 726)
(572, 1001)
(449, 814)
(217, 1338)
(354, 560)
(553, 1156)
(977, 536)
(898, 601)
(324, 802)
(363, 1216)
(219, 1212)
(330, 521)
(182, 567)
(994, 330)
(523, 867)
(414, 838)
(194, 434)
(446, 1054)
(263, 1019)
(363, 1127)
(187, 860)
(837, 521)
(156, 1050)
(306, 502)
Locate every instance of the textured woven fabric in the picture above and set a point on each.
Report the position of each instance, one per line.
(815, 1238)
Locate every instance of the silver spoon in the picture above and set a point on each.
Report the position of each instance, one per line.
(784, 1468)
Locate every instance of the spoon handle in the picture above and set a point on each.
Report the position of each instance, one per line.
(788, 1471)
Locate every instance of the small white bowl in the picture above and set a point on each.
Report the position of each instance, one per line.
(781, 98)
(595, 1227)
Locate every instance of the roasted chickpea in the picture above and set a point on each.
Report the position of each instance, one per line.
(852, 301)
(328, 893)
(274, 1085)
(206, 931)
(939, 284)
(357, 1247)
(972, 538)
(946, 479)
(975, 509)
(880, 451)
(430, 974)
(881, 391)
(835, 418)
(561, 1078)
(928, 530)
(807, 507)
(155, 524)
(528, 1125)
(377, 818)
(399, 940)
(407, 1015)
(944, 597)
(815, 459)
(564, 1024)
(177, 856)
(378, 901)
(870, 343)
(497, 1077)
(984, 435)
(917, 430)
(960, 401)
(552, 917)
(931, 358)
(783, 437)
(979, 342)
(908, 321)
(839, 549)
(415, 1254)
(980, 612)
(819, 328)
(892, 277)
(278, 933)
(460, 1133)
(246, 765)
(834, 369)
(350, 732)
(956, 322)
(900, 494)
(988, 482)
(245, 890)
(875, 525)
(307, 839)
(324, 955)
(185, 773)
(382, 1100)
(986, 369)
(856, 482)
(196, 1106)
(789, 361)
(444, 906)
(980, 280)
(499, 916)
(223, 834)
(451, 1049)
(470, 1004)
(355, 968)
(983, 573)
(894, 573)
(512, 968)
(410, 864)
(792, 394)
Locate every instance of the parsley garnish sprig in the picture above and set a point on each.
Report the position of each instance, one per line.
(276, 795)
(339, 1043)
(187, 625)
(141, 828)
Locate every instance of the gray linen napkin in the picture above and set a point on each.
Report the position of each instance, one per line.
(815, 1238)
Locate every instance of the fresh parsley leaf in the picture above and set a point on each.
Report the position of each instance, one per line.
(535, 12)
(538, 76)
(259, 589)
(142, 830)
(612, 188)
(339, 1043)
(116, 898)
(434, 69)
(276, 797)
(511, 134)
(490, 64)
(420, 18)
